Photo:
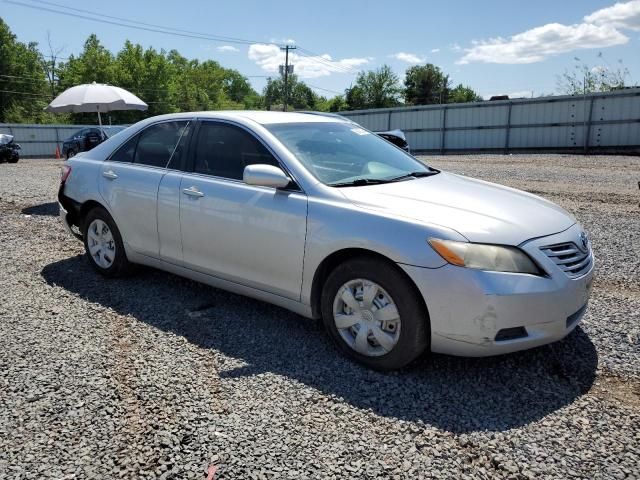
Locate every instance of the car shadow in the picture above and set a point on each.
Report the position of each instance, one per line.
(51, 209)
(454, 394)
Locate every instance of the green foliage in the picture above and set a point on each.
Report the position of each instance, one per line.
(462, 94)
(22, 80)
(425, 85)
(301, 97)
(586, 79)
(166, 81)
(335, 104)
(374, 89)
(169, 82)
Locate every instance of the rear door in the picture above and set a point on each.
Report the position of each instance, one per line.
(247, 234)
(130, 178)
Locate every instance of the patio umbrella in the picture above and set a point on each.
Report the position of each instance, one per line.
(95, 97)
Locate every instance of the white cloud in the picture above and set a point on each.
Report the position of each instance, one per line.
(538, 43)
(599, 29)
(455, 47)
(435, 50)
(620, 15)
(410, 58)
(227, 48)
(269, 57)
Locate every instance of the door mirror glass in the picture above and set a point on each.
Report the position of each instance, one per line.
(265, 176)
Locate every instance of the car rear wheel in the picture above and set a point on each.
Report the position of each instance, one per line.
(70, 153)
(374, 314)
(103, 244)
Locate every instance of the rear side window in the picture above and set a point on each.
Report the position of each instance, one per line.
(158, 143)
(126, 152)
(224, 150)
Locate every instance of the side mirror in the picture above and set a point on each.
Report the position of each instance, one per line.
(265, 176)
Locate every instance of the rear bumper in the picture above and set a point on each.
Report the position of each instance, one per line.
(471, 310)
(69, 213)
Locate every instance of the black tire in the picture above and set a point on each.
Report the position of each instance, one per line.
(14, 159)
(414, 334)
(121, 265)
(71, 153)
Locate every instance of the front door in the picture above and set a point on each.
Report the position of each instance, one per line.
(250, 235)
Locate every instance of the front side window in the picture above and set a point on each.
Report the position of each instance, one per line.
(158, 143)
(337, 153)
(224, 150)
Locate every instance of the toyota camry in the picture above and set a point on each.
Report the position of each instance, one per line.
(320, 216)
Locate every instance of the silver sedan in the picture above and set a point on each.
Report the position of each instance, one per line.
(320, 216)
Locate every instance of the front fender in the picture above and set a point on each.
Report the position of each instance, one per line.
(334, 225)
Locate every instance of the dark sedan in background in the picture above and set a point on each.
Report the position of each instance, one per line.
(82, 141)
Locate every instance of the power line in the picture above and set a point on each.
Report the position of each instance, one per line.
(130, 24)
(320, 59)
(42, 95)
(151, 27)
(325, 89)
(164, 27)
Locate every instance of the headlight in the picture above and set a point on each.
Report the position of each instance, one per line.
(484, 257)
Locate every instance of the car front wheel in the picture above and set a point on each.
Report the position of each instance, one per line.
(374, 314)
(103, 244)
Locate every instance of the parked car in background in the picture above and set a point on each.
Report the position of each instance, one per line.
(397, 137)
(320, 216)
(9, 150)
(83, 141)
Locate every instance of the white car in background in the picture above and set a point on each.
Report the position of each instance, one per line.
(320, 216)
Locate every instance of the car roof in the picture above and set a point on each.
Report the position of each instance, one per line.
(261, 116)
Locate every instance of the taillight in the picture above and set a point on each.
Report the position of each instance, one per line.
(64, 173)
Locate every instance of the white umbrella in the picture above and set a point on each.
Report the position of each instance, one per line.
(95, 97)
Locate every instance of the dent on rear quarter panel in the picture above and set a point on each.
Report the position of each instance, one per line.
(82, 184)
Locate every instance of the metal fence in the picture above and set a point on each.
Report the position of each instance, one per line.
(589, 123)
(41, 140)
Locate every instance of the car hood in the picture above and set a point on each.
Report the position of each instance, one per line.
(481, 211)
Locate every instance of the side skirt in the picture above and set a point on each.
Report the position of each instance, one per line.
(292, 305)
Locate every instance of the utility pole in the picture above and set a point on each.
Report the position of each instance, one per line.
(286, 69)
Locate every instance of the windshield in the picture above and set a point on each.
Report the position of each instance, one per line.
(338, 153)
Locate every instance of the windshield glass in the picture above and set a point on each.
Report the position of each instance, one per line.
(338, 152)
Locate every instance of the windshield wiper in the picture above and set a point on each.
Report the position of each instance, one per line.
(360, 181)
(422, 173)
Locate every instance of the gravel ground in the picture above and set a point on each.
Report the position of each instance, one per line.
(155, 376)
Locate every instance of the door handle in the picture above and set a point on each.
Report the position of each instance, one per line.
(192, 192)
(110, 174)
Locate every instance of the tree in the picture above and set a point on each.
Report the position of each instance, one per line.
(301, 97)
(335, 104)
(425, 85)
(586, 79)
(374, 89)
(462, 94)
(23, 87)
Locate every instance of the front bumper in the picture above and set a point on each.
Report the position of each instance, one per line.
(469, 308)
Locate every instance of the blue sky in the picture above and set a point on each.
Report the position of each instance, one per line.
(496, 47)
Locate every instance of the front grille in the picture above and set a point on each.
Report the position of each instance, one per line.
(571, 260)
